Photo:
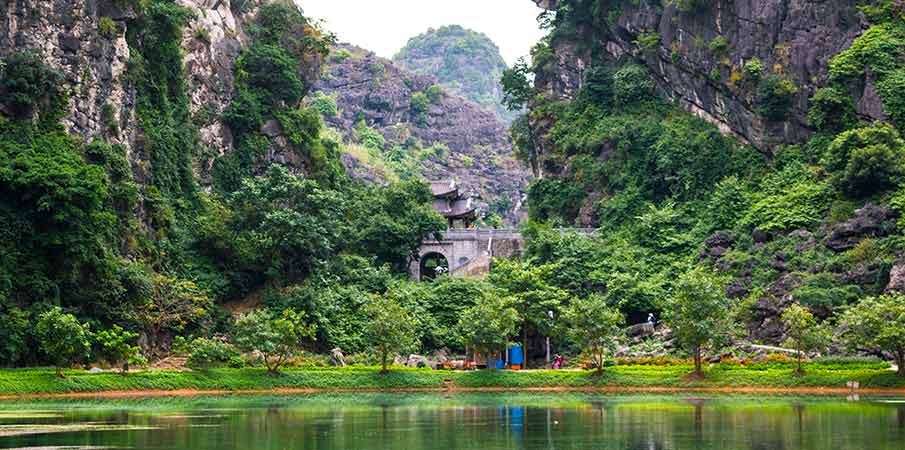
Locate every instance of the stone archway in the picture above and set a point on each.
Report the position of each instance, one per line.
(431, 265)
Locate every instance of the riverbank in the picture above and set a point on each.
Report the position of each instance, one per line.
(831, 379)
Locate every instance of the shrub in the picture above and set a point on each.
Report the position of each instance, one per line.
(434, 93)
(648, 41)
(369, 137)
(865, 160)
(789, 199)
(552, 198)
(117, 346)
(754, 70)
(28, 84)
(831, 110)
(420, 105)
(275, 337)
(598, 87)
(775, 97)
(690, 6)
(272, 74)
(106, 27)
(325, 104)
(719, 46)
(892, 91)
(340, 55)
(212, 353)
(632, 84)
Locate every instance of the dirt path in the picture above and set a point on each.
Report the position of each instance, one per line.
(824, 391)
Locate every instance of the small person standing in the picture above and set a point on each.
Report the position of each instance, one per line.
(651, 320)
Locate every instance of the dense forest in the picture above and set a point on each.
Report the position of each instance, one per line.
(768, 212)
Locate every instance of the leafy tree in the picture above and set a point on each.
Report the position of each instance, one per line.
(699, 313)
(865, 160)
(831, 110)
(172, 304)
(62, 337)
(209, 353)
(775, 97)
(489, 324)
(536, 300)
(14, 328)
(28, 84)
(117, 346)
(276, 337)
(804, 331)
(390, 328)
(878, 323)
(594, 326)
(272, 74)
(516, 81)
(632, 84)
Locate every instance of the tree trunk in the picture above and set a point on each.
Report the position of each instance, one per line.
(525, 347)
(799, 357)
(59, 372)
(697, 361)
(384, 362)
(900, 362)
(599, 363)
(548, 351)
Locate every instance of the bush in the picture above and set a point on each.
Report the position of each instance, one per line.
(831, 110)
(435, 93)
(632, 84)
(719, 46)
(789, 199)
(213, 353)
(106, 27)
(775, 97)
(340, 55)
(325, 104)
(420, 105)
(369, 137)
(117, 347)
(598, 87)
(272, 74)
(28, 84)
(754, 70)
(865, 160)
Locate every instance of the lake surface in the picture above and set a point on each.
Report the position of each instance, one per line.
(460, 421)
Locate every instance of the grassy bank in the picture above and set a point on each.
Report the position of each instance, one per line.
(42, 381)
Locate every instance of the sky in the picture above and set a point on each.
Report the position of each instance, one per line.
(384, 26)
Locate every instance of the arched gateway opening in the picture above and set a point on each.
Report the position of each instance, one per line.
(433, 264)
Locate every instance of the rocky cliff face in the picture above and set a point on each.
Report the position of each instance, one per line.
(699, 54)
(465, 62)
(373, 91)
(87, 41)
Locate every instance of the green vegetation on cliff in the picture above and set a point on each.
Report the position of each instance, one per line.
(465, 62)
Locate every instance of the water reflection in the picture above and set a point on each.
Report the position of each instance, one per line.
(476, 421)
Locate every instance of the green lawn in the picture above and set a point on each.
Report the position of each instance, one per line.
(42, 381)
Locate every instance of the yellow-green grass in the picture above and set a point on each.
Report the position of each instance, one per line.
(42, 381)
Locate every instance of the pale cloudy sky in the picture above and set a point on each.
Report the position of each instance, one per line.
(384, 26)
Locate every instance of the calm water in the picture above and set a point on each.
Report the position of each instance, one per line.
(462, 421)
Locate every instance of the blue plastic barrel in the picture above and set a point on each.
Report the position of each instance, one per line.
(516, 357)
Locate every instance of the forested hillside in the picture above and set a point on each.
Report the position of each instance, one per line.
(465, 62)
(127, 198)
(671, 126)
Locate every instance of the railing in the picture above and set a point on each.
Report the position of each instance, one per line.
(499, 233)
